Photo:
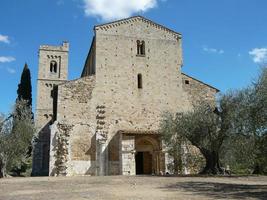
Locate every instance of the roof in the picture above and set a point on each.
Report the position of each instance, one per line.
(140, 18)
(217, 90)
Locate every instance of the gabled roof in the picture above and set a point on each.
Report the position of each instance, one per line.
(217, 90)
(137, 18)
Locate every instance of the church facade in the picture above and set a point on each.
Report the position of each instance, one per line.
(107, 121)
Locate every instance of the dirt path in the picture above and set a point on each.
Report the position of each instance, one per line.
(133, 188)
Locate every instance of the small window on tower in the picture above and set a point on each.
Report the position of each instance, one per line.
(140, 47)
(186, 82)
(139, 81)
(143, 49)
(53, 66)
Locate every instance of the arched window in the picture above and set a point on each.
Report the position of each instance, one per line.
(53, 66)
(139, 81)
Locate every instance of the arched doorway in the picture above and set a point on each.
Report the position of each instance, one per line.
(145, 157)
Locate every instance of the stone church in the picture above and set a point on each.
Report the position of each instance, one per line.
(106, 122)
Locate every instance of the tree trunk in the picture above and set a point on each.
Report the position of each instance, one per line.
(212, 162)
(1, 172)
(258, 169)
(2, 169)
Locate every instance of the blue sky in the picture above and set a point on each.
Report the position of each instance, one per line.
(224, 41)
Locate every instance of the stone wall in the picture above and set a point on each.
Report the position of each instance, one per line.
(127, 152)
(197, 91)
(89, 66)
(101, 106)
(117, 68)
(75, 108)
(118, 65)
(46, 83)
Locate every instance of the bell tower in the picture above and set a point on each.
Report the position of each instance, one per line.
(52, 70)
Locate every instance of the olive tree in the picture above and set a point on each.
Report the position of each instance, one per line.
(172, 141)
(15, 135)
(246, 148)
(205, 127)
(252, 115)
(233, 133)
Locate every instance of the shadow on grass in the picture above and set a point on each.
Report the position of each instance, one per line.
(221, 190)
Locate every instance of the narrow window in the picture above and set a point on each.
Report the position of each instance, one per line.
(186, 82)
(53, 66)
(139, 81)
(143, 51)
(140, 47)
(138, 44)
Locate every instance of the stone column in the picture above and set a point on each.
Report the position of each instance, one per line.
(101, 145)
(184, 159)
(168, 160)
(54, 132)
(159, 162)
(168, 163)
(101, 140)
(127, 155)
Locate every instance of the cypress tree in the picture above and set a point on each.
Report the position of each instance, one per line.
(24, 92)
(25, 87)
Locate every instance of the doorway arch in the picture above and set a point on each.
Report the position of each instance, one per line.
(146, 155)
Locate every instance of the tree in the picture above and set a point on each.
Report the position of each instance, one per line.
(24, 92)
(172, 141)
(25, 87)
(247, 147)
(185, 156)
(234, 133)
(206, 128)
(14, 140)
(254, 119)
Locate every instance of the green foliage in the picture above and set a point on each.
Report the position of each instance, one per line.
(258, 112)
(173, 141)
(15, 137)
(25, 88)
(23, 103)
(246, 148)
(203, 128)
(237, 153)
(258, 107)
(233, 134)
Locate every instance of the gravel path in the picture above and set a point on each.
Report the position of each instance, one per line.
(133, 188)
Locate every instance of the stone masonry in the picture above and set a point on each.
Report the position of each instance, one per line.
(49, 76)
(131, 76)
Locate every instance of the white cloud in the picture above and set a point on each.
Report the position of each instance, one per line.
(116, 9)
(259, 55)
(11, 70)
(5, 59)
(4, 38)
(213, 50)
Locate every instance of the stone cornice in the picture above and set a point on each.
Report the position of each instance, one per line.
(109, 25)
(217, 90)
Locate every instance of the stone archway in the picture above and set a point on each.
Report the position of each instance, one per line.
(146, 156)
